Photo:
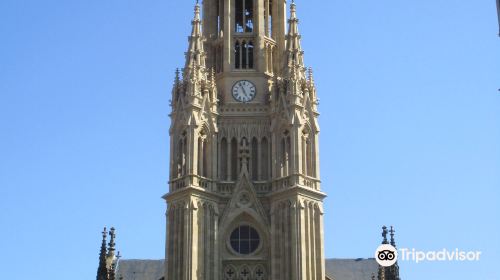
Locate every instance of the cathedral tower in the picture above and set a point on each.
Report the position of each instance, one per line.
(244, 198)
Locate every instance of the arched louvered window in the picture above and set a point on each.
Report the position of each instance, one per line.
(244, 16)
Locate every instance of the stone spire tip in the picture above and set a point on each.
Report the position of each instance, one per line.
(293, 10)
(392, 232)
(384, 235)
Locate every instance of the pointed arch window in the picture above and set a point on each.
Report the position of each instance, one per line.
(310, 157)
(237, 55)
(285, 154)
(255, 159)
(268, 14)
(220, 16)
(223, 159)
(181, 155)
(243, 54)
(244, 13)
(234, 159)
(249, 48)
(264, 161)
(203, 153)
(200, 156)
(308, 153)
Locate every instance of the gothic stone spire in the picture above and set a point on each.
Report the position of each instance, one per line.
(195, 56)
(102, 270)
(294, 53)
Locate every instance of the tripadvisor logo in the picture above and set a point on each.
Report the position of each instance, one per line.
(386, 255)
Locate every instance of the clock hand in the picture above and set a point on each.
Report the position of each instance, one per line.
(244, 91)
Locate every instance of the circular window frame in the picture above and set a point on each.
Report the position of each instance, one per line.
(234, 252)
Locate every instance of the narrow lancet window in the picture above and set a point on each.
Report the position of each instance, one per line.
(268, 14)
(248, 16)
(244, 16)
(237, 55)
(249, 48)
(234, 159)
(223, 159)
(264, 161)
(239, 15)
(205, 159)
(255, 159)
(244, 55)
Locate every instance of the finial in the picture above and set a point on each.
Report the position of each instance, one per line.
(196, 13)
(177, 76)
(111, 243)
(294, 62)
(177, 83)
(197, 8)
(212, 76)
(384, 235)
(293, 8)
(310, 75)
(392, 231)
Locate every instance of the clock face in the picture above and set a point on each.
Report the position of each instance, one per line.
(244, 91)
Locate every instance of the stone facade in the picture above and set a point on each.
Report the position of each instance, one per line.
(244, 199)
(336, 269)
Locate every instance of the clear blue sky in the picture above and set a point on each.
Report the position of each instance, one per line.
(410, 128)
